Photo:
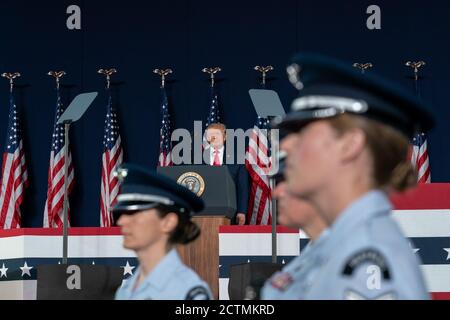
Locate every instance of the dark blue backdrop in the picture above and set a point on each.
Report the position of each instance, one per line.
(136, 36)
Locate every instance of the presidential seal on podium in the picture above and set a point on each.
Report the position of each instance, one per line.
(193, 181)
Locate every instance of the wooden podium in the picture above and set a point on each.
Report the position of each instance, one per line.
(202, 255)
(219, 195)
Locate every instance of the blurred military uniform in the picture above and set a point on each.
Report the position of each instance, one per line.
(365, 255)
(170, 279)
(297, 277)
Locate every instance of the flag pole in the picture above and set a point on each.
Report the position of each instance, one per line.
(212, 73)
(163, 73)
(363, 66)
(11, 76)
(419, 136)
(107, 73)
(264, 71)
(165, 145)
(416, 65)
(57, 75)
(212, 117)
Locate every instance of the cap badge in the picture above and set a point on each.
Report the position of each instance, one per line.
(120, 174)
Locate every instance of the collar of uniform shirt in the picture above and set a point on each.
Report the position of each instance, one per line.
(316, 243)
(370, 204)
(162, 272)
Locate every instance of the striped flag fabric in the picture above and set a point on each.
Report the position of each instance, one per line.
(257, 161)
(14, 172)
(53, 212)
(420, 159)
(419, 150)
(112, 158)
(165, 144)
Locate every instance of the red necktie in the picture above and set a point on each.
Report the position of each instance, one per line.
(216, 158)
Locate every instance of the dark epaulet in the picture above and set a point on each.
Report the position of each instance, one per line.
(198, 293)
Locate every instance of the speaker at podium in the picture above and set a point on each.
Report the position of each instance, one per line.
(213, 184)
(216, 187)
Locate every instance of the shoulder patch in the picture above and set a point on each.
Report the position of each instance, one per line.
(367, 256)
(281, 281)
(198, 293)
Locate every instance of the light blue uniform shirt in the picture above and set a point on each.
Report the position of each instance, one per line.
(366, 256)
(293, 281)
(169, 280)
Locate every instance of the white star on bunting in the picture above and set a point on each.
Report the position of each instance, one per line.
(26, 269)
(128, 269)
(448, 253)
(3, 270)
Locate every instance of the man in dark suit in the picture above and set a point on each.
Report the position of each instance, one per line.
(217, 155)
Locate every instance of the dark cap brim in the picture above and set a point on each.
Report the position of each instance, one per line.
(295, 121)
(133, 206)
(386, 101)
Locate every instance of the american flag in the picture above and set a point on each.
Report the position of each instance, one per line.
(257, 161)
(165, 145)
(111, 159)
(14, 172)
(419, 158)
(214, 115)
(53, 214)
(419, 150)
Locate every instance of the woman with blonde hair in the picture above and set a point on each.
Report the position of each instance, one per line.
(347, 150)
